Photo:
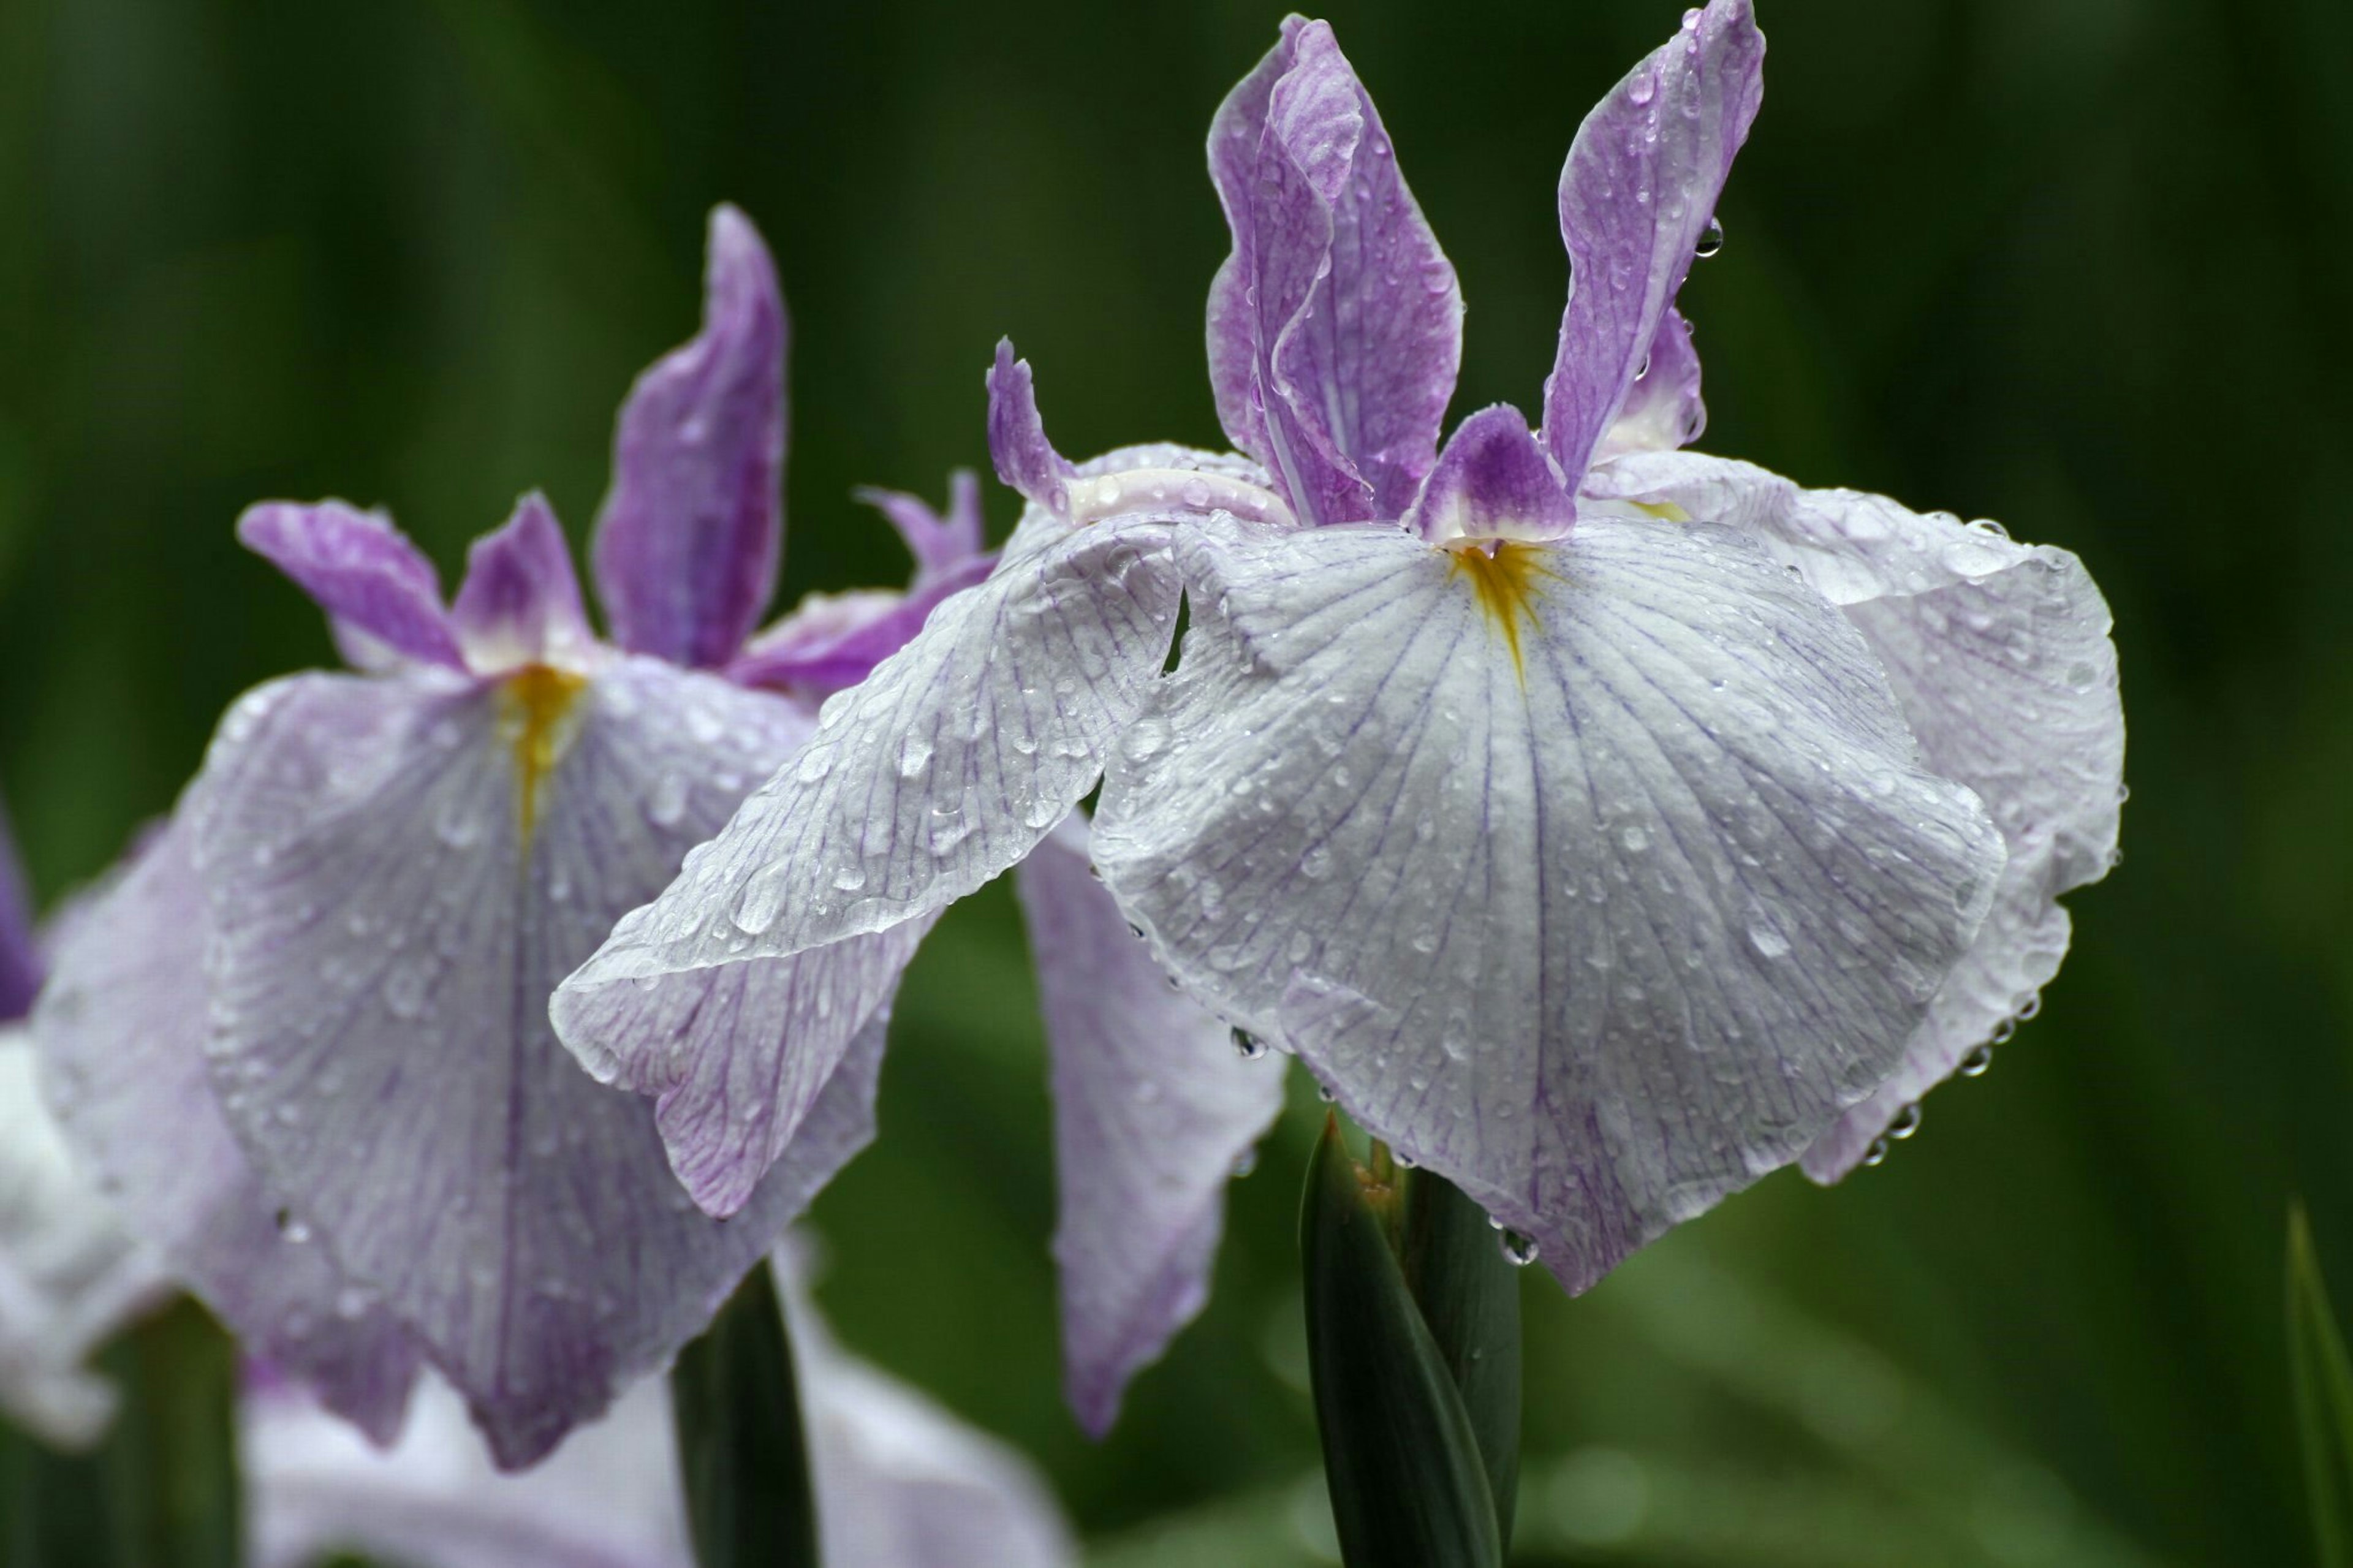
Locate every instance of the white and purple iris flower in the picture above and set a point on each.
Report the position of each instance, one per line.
(303, 1037)
(1604, 825)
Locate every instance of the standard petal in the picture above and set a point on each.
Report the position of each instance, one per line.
(2001, 656)
(1494, 482)
(70, 1275)
(1664, 411)
(1335, 326)
(20, 959)
(1153, 1107)
(359, 569)
(937, 773)
(1024, 460)
(831, 641)
(1638, 190)
(900, 1482)
(520, 602)
(941, 545)
(121, 1031)
(1599, 876)
(691, 532)
(609, 1499)
(398, 872)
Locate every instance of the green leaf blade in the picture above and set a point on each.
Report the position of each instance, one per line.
(740, 1441)
(1469, 1298)
(2323, 1375)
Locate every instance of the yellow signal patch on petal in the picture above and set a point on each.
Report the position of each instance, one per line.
(1504, 574)
(534, 707)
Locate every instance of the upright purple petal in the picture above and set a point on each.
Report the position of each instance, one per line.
(1335, 326)
(1638, 190)
(1493, 482)
(2001, 656)
(1152, 1108)
(691, 532)
(1599, 876)
(20, 959)
(360, 570)
(1024, 459)
(397, 873)
(1664, 411)
(121, 1031)
(520, 603)
(941, 545)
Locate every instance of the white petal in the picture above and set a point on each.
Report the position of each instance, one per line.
(1152, 1109)
(2000, 658)
(1602, 891)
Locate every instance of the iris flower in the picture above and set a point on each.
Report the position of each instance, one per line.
(303, 1037)
(1605, 826)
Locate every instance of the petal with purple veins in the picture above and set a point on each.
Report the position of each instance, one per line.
(1493, 482)
(520, 603)
(121, 1032)
(2000, 653)
(398, 872)
(691, 532)
(1600, 877)
(1638, 192)
(1152, 1109)
(1024, 458)
(360, 570)
(1335, 326)
(1664, 411)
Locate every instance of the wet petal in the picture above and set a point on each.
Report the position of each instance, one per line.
(1335, 326)
(1638, 190)
(520, 602)
(939, 544)
(20, 959)
(833, 641)
(70, 1275)
(359, 569)
(1599, 876)
(398, 872)
(609, 1499)
(691, 532)
(1152, 1109)
(121, 1032)
(1664, 411)
(1024, 459)
(937, 773)
(2001, 656)
(1494, 482)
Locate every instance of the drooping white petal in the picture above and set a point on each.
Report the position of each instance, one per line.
(2000, 658)
(1599, 876)
(69, 1273)
(121, 1031)
(398, 872)
(1152, 1109)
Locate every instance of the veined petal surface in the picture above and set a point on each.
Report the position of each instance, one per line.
(1599, 876)
(938, 771)
(69, 1273)
(1152, 1106)
(521, 601)
(1638, 191)
(2001, 656)
(1335, 326)
(691, 532)
(121, 1030)
(398, 872)
(362, 571)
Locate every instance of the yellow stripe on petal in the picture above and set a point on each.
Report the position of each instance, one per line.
(1504, 573)
(534, 707)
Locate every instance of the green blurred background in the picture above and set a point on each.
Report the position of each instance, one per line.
(2077, 264)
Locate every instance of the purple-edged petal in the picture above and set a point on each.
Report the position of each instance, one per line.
(1638, 191)
(359, 569)
(1664, 411)
(1024, 458)
(20, 958)
(520, 603)
(1152, 1109)
(70, 1275)
(834, 640)
(121, 1031)
(1599, 877)
(398, 872)
(939, 772)
(1335, 326)
(609, 1499)
(2001, 656)
(691, 532)
(941, 545)
(1493, 482)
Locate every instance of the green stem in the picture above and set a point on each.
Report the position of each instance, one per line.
(740, 1438)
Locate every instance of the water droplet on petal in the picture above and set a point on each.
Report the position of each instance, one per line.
(1710, 239)
(1974, 1064)
(1877, 1154)
(1519, 1248)
(1906, 1123)
(1248, 1047)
